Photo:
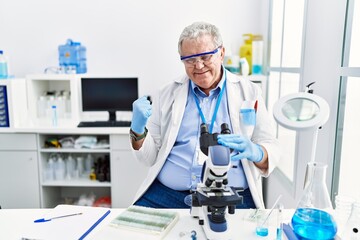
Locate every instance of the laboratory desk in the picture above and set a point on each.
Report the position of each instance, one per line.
(15, 222)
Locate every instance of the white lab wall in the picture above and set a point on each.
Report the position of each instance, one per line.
(123, 38)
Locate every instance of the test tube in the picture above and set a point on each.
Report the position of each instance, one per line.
(261, 228)
(279, 225)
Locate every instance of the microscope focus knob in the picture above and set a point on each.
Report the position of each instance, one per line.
(208, 182)
(231, 209)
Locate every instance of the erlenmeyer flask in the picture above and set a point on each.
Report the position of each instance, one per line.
(313, 218)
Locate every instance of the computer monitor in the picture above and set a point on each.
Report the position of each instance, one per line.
(108, 94)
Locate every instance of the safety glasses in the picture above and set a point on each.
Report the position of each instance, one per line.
(205, 57)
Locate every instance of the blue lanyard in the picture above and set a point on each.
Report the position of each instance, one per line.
(216, 106)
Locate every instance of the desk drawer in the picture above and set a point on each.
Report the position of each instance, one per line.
(120, 142)
(18, 141)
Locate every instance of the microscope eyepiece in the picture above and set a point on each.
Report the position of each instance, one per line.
(225, 129)
(203, 129)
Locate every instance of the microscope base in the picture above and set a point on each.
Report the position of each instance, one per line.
(211, 210)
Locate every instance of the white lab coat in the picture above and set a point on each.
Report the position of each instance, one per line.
(168, 111)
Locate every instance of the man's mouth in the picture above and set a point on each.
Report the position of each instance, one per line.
(200, 73)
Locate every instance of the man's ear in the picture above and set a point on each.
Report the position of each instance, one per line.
(222, 52)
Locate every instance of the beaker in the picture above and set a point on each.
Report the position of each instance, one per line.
(313, 217)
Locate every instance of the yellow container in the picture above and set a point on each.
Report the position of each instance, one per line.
(246, 49)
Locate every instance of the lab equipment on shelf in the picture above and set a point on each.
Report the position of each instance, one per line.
(59, 99)
(54, 118)
(244, 67)
(257, 54)
(232, 63)
(3, 66)
(246, 49)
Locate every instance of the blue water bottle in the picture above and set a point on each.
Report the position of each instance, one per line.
(3, 66)
(73, 54)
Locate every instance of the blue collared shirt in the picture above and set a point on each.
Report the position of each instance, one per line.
(182, 170)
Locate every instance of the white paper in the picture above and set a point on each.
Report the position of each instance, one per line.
(72, 227)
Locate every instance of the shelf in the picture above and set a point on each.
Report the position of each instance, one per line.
(74, 150)
(37, 85)
(76, 183)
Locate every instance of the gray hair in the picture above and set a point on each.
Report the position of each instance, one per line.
(199, 29)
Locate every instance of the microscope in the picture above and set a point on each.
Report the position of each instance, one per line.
(213, 196)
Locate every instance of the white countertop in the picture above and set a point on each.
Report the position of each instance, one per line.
(15, 222)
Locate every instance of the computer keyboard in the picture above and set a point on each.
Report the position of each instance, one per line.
(105, 124)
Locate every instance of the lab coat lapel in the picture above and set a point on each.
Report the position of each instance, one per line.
(179, 101)
(235, 99)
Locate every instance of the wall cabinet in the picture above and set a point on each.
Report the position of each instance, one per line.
(19, 175)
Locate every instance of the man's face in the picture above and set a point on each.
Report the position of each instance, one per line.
(205, 74)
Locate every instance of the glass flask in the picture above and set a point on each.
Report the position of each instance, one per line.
(313, 218)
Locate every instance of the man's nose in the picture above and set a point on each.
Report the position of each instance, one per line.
(199, 63)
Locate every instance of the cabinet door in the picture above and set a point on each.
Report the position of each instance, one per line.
(127, 174)
(19, 179)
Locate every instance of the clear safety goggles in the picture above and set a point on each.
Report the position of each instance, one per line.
(205, 57)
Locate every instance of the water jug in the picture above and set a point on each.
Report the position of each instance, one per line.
(73, 54)
(313, 218)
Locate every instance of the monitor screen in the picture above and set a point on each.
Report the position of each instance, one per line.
(108, 94)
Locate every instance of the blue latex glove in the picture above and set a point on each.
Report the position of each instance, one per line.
(141, 113)
(244, 147)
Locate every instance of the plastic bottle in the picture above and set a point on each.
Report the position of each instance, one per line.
(50, 170)
(70, 167)
(80, 166)
(60, 168)
(41, 107)
(246, 49)
(89, 163)
(54, 116)
(72, 54)
(3, 66)
(257, 54)
(244, 67)
(60, 103)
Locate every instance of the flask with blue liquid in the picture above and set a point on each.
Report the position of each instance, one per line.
(313, 218)
(73, 55)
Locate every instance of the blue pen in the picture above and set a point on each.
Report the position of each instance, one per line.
(49, 219)
(94, 225)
